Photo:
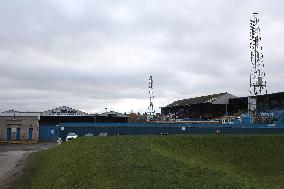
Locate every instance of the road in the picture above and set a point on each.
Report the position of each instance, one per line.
(12, 157)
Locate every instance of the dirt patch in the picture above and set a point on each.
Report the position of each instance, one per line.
(15, 172)
(13, 158)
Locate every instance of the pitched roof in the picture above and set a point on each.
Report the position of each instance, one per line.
(64, 111)
(196, 100)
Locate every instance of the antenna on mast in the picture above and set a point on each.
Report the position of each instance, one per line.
(151, 111)
(257, 74)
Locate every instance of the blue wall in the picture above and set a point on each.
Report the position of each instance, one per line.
(51, 132)
(81, 129)
(48, 133)
(280, 122)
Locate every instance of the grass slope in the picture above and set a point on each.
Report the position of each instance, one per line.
(240, 161)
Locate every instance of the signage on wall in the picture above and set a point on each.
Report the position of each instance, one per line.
(14, 129)
(52, 131)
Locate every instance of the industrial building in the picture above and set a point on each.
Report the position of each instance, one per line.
(65, 114)
(50, 120)
(111, 117)
(16, 127)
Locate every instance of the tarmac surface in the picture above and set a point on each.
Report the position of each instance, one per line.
(12, 157)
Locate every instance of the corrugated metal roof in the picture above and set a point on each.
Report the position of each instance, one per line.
(64, 111)
(14, 113)
(196, 100)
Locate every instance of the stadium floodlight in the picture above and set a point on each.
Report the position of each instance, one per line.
(151, 110)
(257, 74)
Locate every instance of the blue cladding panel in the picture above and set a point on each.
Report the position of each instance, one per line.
(280, 122)
(246, 120)
(150, 125)
(48, 133)
(52, 132)
(82, 131)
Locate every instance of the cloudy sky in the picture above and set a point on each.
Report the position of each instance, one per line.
(92, 55)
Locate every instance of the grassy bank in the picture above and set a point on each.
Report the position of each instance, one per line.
(240, 161)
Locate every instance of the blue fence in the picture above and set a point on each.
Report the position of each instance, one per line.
(149, 125)
(82, 129)
(52, 132)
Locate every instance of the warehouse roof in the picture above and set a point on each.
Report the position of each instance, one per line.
(19, 114)
(64, 111)
(197, 100)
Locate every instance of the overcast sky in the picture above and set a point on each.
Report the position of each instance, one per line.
(92, 55)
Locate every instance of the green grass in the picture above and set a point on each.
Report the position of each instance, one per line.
(209, 161)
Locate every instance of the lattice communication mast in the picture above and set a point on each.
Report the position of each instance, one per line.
(151, 110)
(257, 74)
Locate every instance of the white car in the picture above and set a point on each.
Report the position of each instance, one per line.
(70, 136)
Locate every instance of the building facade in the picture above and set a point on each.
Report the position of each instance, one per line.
(18, 127)
(51, 119)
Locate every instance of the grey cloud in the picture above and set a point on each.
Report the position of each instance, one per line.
(92, 54)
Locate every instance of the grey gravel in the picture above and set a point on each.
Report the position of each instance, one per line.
(12, 155)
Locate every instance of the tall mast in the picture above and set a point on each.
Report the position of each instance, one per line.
(151, 95)
(257, 74)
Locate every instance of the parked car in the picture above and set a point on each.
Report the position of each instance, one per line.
(103, 134)
(70, 136)
(164, 133)
(89, 135)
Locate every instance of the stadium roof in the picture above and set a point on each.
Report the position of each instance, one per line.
(197, 100)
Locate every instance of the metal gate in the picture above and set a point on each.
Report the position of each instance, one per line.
(48, 133)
